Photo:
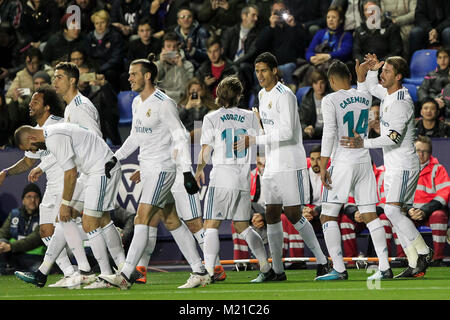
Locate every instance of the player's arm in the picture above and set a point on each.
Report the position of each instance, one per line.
(19, 167)
(206, 141)
(287, 108)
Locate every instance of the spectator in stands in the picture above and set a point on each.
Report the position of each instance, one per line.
(376, 34)
(330, 43)
(196, 102)
(284, 38)
(431, 199)
(60, 44)
(312, 210)
(192, 37)
(39, 21)
(124, 221)
(432, 20)
(353, 13)
(402, 14)
(11, 12)
(435, 81)
(309, 13)
(10, 55)
(174, 71)
(430, 125)
(374, 119)
(310, 111)
(104, 97)
(24, 78)
(6, 130)
(87, 9)
(217, 67)
(140, 48)
(125, 15)
(21, 247)
(239, 45)
(78, 57)
(163, 14)
(219, 14)
(104, 46)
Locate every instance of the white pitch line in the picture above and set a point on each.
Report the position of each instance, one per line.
(184, 292)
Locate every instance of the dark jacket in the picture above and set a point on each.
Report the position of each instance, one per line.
(309, 12)
(433, 83)
(205, 70)
(189, 116)
(432, 14)
(199, 36)
(220, 18)
(308, 114)
(129, 14)
(28, 226)
(138, 50)
(40, 24)
(58, 48)
(230, 44)
(107, 53)
(440, 130)
(285, 42)
(384, 42)
(166, 16)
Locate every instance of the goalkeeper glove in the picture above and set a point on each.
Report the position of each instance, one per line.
(109, 165)
(190, 183)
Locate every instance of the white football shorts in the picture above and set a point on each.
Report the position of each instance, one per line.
(227, 204)
(288, 188)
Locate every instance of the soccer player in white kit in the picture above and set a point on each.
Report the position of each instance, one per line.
(344, 111)
(228, 196)
(76, 149)
(397, 133)
(44, 107)
(285, 183)
(80, 110)
(157, 131)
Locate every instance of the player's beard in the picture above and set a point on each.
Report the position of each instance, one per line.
(40, 145)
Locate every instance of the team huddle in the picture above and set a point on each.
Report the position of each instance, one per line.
(83, 174)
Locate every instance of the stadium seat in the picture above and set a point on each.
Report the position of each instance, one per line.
(422, 62)
(412, 88)
(124, 100)
(300, 93)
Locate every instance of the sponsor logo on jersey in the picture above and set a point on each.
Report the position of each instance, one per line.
(139, 128)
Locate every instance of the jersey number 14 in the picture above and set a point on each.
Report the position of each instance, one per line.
(361, 125)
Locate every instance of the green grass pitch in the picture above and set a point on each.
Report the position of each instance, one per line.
(299, 286)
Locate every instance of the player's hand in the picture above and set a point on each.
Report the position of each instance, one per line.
(136, 177)
(358, 217)
(307, 214)
(355, 142)
(373, 60)
(65, 213)
(34, 174)
(309, 130)
(200, 178)
(244, 142)
(190, 183)
(416, 214)
(258, 221)
(109, 165)
(326, 178)
(361, 69)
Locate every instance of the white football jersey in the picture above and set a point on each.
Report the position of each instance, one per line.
(157, 130)
(48, 164)
(73, 145)
(397, 128)
(81, 111)
(344, 111)
(282, 130)
(221, 129)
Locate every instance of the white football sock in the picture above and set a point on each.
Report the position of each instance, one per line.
(75, 243)
(200, 237)
(401, 222)
(114, 244)
(55, 246)
(136, 250)
(99, 249)
(256, 244)
(332, 236)
(63, 260)
(379, 242)
(306, 231)
(151, 243)
(211, 248)
(275, 238)
(185, 241)
(408, 248)
(420, 245)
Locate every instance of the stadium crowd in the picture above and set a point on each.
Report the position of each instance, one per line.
(198, 43)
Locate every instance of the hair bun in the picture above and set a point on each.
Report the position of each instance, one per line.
(151, 57)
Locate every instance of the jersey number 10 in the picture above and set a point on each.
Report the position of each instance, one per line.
(361, 126)
(230, 138)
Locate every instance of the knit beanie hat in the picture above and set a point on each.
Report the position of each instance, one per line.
(31, 187)
(42, 75)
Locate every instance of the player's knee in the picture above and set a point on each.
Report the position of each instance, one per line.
(194, 225)
(240, 226)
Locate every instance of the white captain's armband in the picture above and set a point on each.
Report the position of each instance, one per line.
(394, 136)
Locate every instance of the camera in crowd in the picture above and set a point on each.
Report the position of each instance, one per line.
(282, 14)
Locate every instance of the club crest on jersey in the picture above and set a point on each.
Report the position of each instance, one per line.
(149, 112)
(270, 105)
